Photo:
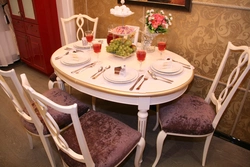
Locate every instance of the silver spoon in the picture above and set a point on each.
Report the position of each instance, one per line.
(59, 57)
(99, 70)
(155, 76)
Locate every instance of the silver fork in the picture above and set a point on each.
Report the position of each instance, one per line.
(145, 78)
(161, 79)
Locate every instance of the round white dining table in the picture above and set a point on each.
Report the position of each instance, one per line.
(152, 92)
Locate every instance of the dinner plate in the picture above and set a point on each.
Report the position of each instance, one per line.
(161, 66)
(164, 73)
(83, 47)
(75, 59)
(130, 76)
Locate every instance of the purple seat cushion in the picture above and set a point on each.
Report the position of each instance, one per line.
(187, 115)
(60, 97)
(108, 139)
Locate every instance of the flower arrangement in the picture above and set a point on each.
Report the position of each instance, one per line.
(158, 22)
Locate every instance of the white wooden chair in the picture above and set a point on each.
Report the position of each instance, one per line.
(69, 28)
(31, 118)
(95, 139)
(79, 21)
(192, 116)
(28, 117)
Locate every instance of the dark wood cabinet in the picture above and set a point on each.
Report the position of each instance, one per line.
(37, 31)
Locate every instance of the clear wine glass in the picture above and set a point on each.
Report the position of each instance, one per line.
(97, 46)
(89, 36)
(141, 55)
(162, 44)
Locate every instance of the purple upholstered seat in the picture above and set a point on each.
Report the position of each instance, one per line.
(187, 115)
(60, 97)
(108, 139)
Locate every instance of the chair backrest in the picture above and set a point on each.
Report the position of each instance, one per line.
(43, 103)
(234, 79)
(19, 108)
(69, 25)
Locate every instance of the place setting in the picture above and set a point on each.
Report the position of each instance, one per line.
(75, 59)
(166, 67)
(120, 75)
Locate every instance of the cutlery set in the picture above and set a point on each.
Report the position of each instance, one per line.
(157, 77)
(59, 57)
(84, 67)
(99, 72)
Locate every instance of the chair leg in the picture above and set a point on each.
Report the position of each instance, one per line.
(206, 147)
(50, 84)
(159, 144)
(93, 102)
(157, 117)
(30, 140)
(139, 152)
(60, 84)
(48, 149)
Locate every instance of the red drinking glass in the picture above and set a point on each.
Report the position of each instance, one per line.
(141, 55)
(89, 36)
(162, 44)
(97, 46)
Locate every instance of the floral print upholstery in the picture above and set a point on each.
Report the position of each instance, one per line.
(108, 139)
(187, 115)
(60, 97)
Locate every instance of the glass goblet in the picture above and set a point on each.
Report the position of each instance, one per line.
(89, 36)
(162, 44)
(97, 46)
(141, 55)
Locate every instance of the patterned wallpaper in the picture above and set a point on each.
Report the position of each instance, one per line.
(201, 37)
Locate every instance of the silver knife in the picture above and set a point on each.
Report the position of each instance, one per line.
(86, 66)
(136, 82)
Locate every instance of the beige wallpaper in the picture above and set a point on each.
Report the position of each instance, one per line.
(201, 37)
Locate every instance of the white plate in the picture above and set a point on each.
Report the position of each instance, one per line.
(164, 73)
(88, 46)
(122, 15)
(75, 59)
(130, 76)
(161, 67)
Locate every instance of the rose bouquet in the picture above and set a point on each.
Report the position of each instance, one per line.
(158, 22)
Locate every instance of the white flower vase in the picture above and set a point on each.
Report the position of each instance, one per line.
(146, 40)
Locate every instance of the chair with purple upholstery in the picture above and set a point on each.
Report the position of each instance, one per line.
(192, 116)
(94, 139)
(32, 122)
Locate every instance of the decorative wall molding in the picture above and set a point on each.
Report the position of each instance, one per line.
(221, 5)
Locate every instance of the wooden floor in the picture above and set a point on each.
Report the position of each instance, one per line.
(177, 152)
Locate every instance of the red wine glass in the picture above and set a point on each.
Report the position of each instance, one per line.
(141, 55)
(162, 44)
(89, 36)
(97, 46)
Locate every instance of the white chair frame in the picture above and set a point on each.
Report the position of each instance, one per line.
(79, 21)
(85, 156)
(32, 117)
(234, 80)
